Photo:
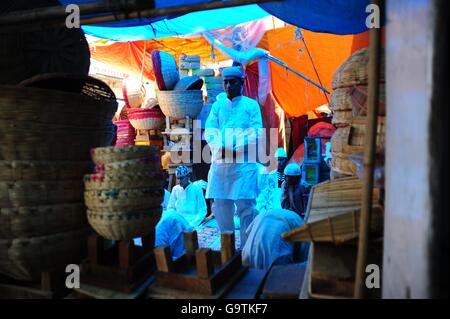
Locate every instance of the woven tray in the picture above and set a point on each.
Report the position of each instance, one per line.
(354, 70)
(124, 199)
(106, 155)
(123, 180)
(41, 220)
(24, 258)
(29, 193)
(124, 225)
(40, 170)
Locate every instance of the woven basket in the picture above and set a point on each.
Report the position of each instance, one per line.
(142, 165)
(26, 193)
(355, 99)
(124, 225)
(192, 82)
(354, 70)
(106, 155)
(123, 180)
(146, 119)
(165, 69)
(23, 145)
(41, 220)
(342, 118)
(133, 92)
(56, 49)
(25, 258)
(43, 170)
(123, 199)
(336, 175)
(341, 164)
(179, 104)
(65, 108)
(351, 139)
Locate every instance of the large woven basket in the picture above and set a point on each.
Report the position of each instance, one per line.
(106, 155)
(354, 70)
(23, 145)
(146, 119)
(342, 164)
(165, 69)
(25, 258)
(41, 220)
(43, 170)
(123, 180)
(124, 199)
(342, 118)
(124, 225)
(179, 104)
(31, 193)
(63, 99)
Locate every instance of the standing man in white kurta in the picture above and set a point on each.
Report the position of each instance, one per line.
(232, 181)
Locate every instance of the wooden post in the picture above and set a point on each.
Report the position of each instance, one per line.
(95, 249)
(126, 253)
(369, 154)
(190, 242)
(163, 257)
(205, 263)
(227, 246)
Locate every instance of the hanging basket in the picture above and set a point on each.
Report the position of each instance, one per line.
(179, 104)
(41, 220)
(124, 225)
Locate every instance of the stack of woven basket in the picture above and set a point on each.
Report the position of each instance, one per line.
(349, 105)
(125, 133)
(44, 153)
(177, 98)
(125, 193)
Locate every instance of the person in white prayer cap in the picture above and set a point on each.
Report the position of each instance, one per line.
(231, 132)
(187, 199)
(292, 190)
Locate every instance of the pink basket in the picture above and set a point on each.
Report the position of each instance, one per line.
(146, 119)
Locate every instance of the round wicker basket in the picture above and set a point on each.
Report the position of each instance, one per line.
(165, 69)
(341, 164)
(123, 180)
(355, 99)
(106, 155)
(146, 119)
(123, 199)
(124, 225)
(342, 118)
(31, 193)
(143, 165)
(25, 258)
(179, 104)
(43, 170)
(41, 220)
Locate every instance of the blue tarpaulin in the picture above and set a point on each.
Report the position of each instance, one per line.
(330, 16)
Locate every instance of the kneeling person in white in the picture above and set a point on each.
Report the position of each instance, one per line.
(187, 199)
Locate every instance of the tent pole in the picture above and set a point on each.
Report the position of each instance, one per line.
(279, 62)
(42, 18)
(369, 155)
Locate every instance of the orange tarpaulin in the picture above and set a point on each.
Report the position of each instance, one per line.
(292, 93)
(328, 51)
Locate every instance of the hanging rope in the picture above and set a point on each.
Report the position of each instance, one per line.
(143, 61)
(299, 35)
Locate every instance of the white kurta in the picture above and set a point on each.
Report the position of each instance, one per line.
(237, 180)
(189, 202)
